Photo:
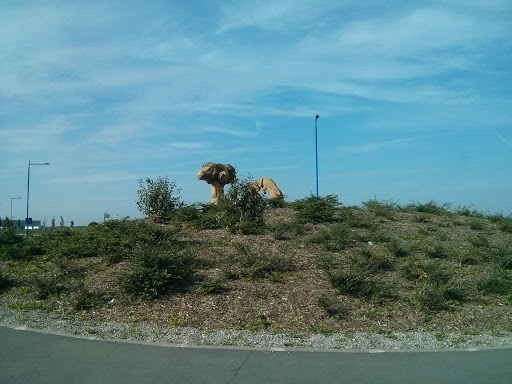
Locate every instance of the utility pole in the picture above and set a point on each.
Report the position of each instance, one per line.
(316, 153)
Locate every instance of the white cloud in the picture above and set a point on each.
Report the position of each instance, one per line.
(370, 147)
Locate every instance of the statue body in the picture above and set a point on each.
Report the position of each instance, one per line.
(218, 175)
(266, 184)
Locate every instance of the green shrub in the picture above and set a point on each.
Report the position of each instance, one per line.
(434, 298)
(386, 209)
(5, 282)
(199, 216)
(241, 209)
(316, 209)
(49, 286)
(431, 207)
(262, 264)
(86, 299)
(158, 199)
(286, 231)
(277, 203)
(499, 281)
(357, 281)
(398, 247)
(332, 307)
(336, 237)
(438, 251)
(502, 257)
(506, 225)
(158, 269)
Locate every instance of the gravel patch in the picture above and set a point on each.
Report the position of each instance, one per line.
(149, 332)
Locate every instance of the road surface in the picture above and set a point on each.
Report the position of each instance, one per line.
(29, 356)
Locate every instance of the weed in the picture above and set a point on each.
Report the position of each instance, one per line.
(211, 286)
(261, 322)
(177, 321)
(332, 307)
(372, 314)
(320, 330)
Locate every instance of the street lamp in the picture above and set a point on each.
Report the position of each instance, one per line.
(28, 187)
(13, 198)
(316, 153)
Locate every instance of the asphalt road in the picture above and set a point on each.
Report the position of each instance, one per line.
(39, 357)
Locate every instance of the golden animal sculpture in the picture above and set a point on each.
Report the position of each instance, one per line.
(266, 184)
(217, 175)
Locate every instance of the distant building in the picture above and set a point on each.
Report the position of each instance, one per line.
(36, 224)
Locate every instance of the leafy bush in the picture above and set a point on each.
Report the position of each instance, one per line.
(335, 238)
(431, 207)
(86, 299)
(315, 210)
(286, 231)
(49, 286)
(437, 289)
(357, 281)
(262, 264)
(332, 307)
(499, 281)
(277, 203)
(158, 269)
(201, 216)
(437, 297)
(5, 282)
(382, 208)
(355, 276)
(157, 199)
(439, 251)
(241, 209)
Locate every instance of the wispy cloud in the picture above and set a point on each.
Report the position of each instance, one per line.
(232, 131)
(505, 141)
(371, 147)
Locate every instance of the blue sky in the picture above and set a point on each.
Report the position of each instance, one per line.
(414, 99)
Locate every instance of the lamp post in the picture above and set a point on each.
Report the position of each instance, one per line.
(28, 187)
(316, 153)
(13, 198)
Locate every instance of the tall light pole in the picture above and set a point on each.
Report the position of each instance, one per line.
(316, 153)
(28, 187)
(13, 198)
